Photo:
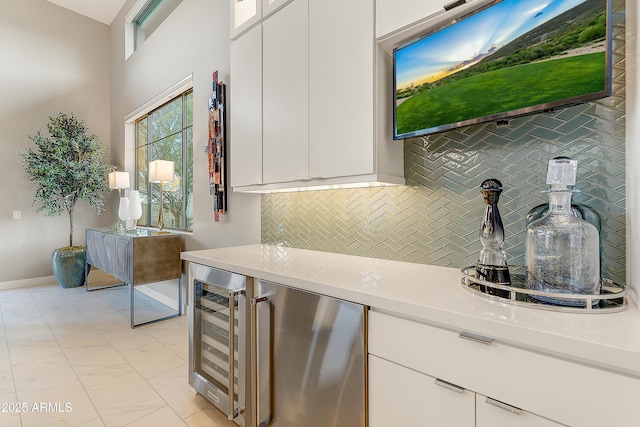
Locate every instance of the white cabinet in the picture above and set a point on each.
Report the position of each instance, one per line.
(285, 76)
(270, 6)
(244, 14)
(399, 396)
(393, 15)
(246, 102)
(321, 120)
(545, 390)
(341, 88)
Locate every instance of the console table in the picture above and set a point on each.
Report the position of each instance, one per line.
(136, 257)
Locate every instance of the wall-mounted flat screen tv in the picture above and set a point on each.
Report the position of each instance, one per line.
(513, 58)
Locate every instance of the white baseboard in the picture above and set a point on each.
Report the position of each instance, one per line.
(25, 283)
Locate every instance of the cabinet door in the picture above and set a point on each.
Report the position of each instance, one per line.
(109, 242)
(270, 6)
(491, 413)
(399, 396)
(244, 14)
(341, 88)
(122, 263)
(246, 108)
(391, 15)
(286, 94)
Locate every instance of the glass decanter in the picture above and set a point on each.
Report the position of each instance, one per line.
(562, 252)
(492, 262)
(580, 210)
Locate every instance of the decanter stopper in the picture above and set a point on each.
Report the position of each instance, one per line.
(492, 262)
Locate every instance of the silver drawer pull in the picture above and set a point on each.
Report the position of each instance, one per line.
(504, 406)
(475, 337)
(448, 385)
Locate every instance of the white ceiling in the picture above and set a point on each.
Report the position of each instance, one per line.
(100, 10)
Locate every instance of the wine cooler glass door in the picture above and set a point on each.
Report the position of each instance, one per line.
(217, 348)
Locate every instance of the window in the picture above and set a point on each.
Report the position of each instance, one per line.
(166, 133)
(143, 19)
(151, 16)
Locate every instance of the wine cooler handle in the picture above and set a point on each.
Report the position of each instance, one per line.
(260, 361)
(231, 410)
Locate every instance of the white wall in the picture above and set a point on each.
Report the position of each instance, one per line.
(194, 40)
(633, 147)
(52, 60)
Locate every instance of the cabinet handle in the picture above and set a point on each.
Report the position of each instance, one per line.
(453, 4)
(504, 406)
(475, 337)
(449, 385)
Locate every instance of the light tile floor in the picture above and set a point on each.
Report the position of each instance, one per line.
(69, 357)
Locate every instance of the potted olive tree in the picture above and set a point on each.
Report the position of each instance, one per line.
(67, 166)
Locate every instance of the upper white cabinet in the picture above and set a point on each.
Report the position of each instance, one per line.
(246, 98)
(321, 99)
(285, 76)
(393, 15)
(244, 14)
(270, 6)
(341, 88)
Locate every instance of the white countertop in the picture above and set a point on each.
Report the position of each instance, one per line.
(434, 294)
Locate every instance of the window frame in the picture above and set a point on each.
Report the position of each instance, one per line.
(138, 11)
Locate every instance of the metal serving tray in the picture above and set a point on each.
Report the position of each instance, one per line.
(612, 297)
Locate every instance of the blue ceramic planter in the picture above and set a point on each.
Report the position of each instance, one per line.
(68, 266)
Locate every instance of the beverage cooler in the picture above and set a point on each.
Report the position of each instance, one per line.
(270, 355)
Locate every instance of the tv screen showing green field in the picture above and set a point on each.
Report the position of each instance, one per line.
(513, 58)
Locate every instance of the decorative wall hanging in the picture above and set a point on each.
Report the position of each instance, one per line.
(216, 149)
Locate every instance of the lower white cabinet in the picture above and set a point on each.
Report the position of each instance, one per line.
(399, 396)
(404, 397)
(510, 385)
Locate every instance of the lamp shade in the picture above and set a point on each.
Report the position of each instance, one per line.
(161, 171)
(118, 180)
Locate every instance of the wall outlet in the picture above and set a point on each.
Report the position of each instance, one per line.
(17, 214)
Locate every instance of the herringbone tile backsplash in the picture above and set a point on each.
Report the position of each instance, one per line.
(435, 218)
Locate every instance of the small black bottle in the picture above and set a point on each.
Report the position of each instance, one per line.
(492, 262)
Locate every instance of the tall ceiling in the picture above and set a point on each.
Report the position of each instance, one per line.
(101, 10)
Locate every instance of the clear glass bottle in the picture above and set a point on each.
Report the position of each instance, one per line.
(492, 262)
(577, 209)
(562, 251)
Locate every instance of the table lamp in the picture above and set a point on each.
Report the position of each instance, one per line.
(161, 171)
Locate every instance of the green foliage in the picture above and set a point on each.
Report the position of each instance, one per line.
(67, 166)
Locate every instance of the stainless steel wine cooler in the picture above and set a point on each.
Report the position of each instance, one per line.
(270, 355)
(217, 344)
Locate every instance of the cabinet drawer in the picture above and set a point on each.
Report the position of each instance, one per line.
(565, 391)
(399, 396)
